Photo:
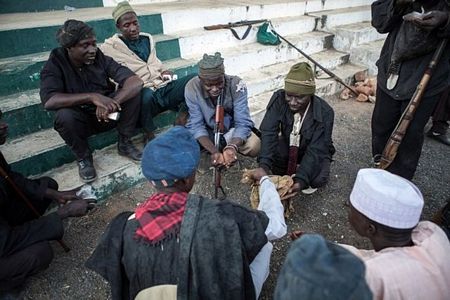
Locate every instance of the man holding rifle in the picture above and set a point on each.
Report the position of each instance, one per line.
(24, 247)
(400, 69)
(202, 94)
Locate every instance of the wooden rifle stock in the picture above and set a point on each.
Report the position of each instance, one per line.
(234, 24)
(28, 203)
(328, 72)
(218, 131)
(391, 148)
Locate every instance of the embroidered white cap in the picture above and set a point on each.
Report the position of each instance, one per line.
(387, 199)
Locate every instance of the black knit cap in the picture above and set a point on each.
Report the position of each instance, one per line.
(72, 32)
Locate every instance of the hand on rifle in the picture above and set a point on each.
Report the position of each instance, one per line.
(433, 19)
(217, 159)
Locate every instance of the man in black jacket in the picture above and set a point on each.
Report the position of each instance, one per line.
(296, 132)
(405, 55)
(24, 238)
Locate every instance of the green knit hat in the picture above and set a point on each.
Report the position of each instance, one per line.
(300, 80)
(121, 9)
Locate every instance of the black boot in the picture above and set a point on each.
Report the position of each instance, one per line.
(126, 148)
(86, 169)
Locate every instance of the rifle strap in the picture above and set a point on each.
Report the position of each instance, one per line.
(247, 31)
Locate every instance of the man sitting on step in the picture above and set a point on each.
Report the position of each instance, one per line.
(202, 93)
(181, 244)
(76, 82)
(137, 51)
(24, 237)
(296, 132)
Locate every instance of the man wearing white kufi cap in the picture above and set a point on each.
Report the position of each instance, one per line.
(410, 258)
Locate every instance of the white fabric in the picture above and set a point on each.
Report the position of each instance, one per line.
(270, 203)
(387, 198)
(294, 138)
(417, 272)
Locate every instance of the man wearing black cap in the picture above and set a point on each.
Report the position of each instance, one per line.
(136, 50)
(296, 132)
(183, 244)
(202, 94)
(77, 82)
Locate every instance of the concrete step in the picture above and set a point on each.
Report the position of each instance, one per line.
(116, 173)
(198, 40)
(320, 5)
(25, 114)
(367, 54)
(22, 73)
(255, 56)
(342, 16)
(272, 77)
(324, 87)
(349, 36)
(23, 6)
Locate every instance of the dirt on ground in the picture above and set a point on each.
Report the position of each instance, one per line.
(323, 212)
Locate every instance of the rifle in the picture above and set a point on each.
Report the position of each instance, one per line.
(28, 203)
(391, 148)
(230, 26)
(328, 72)
(218, 132)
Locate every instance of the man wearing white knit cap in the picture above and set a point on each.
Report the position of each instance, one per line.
(410, 258)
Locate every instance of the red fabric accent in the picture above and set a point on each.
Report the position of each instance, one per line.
(160, 216)
(292, 160)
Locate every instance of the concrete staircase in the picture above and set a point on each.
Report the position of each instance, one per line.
(331, 31)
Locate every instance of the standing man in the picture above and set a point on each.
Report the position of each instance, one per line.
(441, 118)
(76, 82)
(202, 93)
(296, 132)
(24, 237)
(184, 245)
(136, 50)
(400, 69)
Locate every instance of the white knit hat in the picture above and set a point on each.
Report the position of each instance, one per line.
(387, 199)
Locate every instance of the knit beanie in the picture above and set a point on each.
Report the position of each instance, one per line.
(211, 66)
(121, 9)
(300, 80)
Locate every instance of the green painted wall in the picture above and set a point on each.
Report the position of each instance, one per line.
(39, 39)
(16, 6)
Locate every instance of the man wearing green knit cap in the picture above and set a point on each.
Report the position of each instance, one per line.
(296, 132)
(162, 90)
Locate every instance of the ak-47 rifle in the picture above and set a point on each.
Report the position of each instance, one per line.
(231, 25)
(391, 148)
(328, 72)
(5, 175)
(218, 132)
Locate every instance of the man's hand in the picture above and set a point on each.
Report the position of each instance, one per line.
(257, 174)
(166, 72)
(75, 209)
(105, 103)
(229, 156)
(296, 234)
(62, 197)
(217, 159)
(293, 191)
(433, 19)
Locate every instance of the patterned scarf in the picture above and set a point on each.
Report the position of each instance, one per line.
(160, 216)
(294, 141)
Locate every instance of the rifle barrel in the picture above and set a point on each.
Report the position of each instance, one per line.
(234, 24)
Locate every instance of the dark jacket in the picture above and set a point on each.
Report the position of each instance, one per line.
(218, 241)
(387, 19)
(315, 145)
(17, 229)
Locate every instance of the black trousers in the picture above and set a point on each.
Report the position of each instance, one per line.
(16, 267)
(75, 125)
(280, 164)
(386, 114)
(441, 114)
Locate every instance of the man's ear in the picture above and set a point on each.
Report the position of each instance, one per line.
(371, 230)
